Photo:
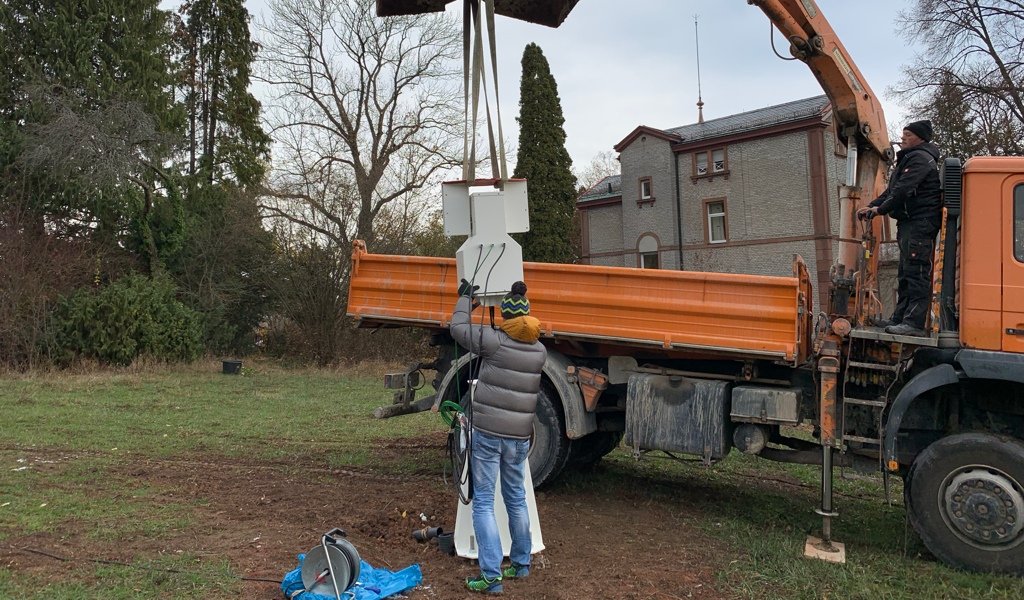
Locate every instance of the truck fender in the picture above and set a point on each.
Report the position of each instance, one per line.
(446, 381)
(578, 422)
(986, 364)
(926, 380)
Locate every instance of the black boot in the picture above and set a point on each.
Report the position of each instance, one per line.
(905, 329)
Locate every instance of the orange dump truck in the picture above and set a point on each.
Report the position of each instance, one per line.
(704, 363)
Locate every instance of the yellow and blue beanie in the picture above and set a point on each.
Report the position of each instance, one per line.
(515, 304)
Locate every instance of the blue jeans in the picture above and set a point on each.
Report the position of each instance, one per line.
(493, 455)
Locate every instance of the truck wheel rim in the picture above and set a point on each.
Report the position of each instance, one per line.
(983, 506)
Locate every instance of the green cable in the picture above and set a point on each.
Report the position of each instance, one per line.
(449, 412)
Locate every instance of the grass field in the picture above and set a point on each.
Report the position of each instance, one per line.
(68, 441)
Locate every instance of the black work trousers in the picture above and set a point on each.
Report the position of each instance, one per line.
(916, 239)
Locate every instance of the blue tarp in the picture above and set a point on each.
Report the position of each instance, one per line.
(373, 583)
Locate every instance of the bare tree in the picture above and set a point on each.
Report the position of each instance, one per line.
(366, 113)
(974, 46)
(107, 147)
(604, 164)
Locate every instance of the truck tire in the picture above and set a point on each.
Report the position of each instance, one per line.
(549, 448)
(965, 498)
(591, 448)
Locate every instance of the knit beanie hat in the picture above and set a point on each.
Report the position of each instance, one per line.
(515, 304)
(922, 129)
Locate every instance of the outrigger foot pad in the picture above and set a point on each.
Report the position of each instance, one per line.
(832, 552)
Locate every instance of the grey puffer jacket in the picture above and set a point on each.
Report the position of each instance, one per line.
(509, 379)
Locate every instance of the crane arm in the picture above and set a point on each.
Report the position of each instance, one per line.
(812, 39)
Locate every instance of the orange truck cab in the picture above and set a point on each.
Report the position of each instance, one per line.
(992, 255)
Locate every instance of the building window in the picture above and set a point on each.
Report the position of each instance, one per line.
(647, 248)
(717, 232)
(646, 192)
(709, 163)
(718, 160)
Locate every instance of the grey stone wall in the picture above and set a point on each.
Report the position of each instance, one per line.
(605, 226)
(649, 157)
(767, 194)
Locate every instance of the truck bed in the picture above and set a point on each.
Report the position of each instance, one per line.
(750, 316)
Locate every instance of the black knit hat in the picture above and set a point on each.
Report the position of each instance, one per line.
(515, 304)
(922, 129)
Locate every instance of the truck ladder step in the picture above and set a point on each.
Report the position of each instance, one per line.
(863, 440)
(873, 366)
(864, 402)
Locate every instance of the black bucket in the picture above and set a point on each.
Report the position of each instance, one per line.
(446, 543)
(232, 367)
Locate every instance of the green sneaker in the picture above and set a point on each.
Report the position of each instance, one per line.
(515, 571)
(484, 585)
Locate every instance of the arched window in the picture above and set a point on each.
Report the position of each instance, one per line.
(648, 250)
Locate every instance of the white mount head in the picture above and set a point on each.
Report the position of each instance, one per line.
(490, 258)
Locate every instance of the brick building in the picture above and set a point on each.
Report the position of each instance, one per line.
(744, 193)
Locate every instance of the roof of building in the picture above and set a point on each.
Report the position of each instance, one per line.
(754, 119)
(609, 187)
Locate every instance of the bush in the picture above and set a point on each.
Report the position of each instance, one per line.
(35, 272)
(132, 317)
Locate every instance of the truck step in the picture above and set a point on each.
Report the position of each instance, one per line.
(877, 333)
(864, 402)
(873, 366)
(863, 440)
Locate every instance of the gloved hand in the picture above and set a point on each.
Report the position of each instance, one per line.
(465, 289)
(867, 213)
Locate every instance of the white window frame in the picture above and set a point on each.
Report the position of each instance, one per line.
(697, 165)
(647, 194)
(718, 166)
(717, 215)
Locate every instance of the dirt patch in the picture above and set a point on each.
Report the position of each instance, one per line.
(599, 545)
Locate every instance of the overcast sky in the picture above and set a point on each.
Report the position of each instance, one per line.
(623, 64)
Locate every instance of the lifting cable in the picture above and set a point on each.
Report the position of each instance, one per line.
(459, 416)
(473, 66)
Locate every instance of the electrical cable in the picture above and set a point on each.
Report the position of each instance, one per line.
(771, 37)
(118, 563)
(461, 422)
(462, 425)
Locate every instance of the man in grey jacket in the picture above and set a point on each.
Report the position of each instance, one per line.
(503, 408)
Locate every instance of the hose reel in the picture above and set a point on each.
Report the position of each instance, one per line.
(332, 567)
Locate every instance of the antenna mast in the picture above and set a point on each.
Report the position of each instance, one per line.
(700, 102)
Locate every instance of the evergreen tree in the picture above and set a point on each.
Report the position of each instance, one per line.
(225, 138)
(88, 113)
(955, 130)
(544, 162)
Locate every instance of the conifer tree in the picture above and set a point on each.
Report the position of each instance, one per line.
(225, 138)
(544, 162)
(955, 130)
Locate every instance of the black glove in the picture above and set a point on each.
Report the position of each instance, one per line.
(465, 289)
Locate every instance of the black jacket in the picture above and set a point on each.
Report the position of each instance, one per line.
(509, 379)
(914, 191)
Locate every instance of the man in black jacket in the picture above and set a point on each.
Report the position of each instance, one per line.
(913, 198)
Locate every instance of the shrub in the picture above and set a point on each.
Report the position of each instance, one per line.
(132, 317)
